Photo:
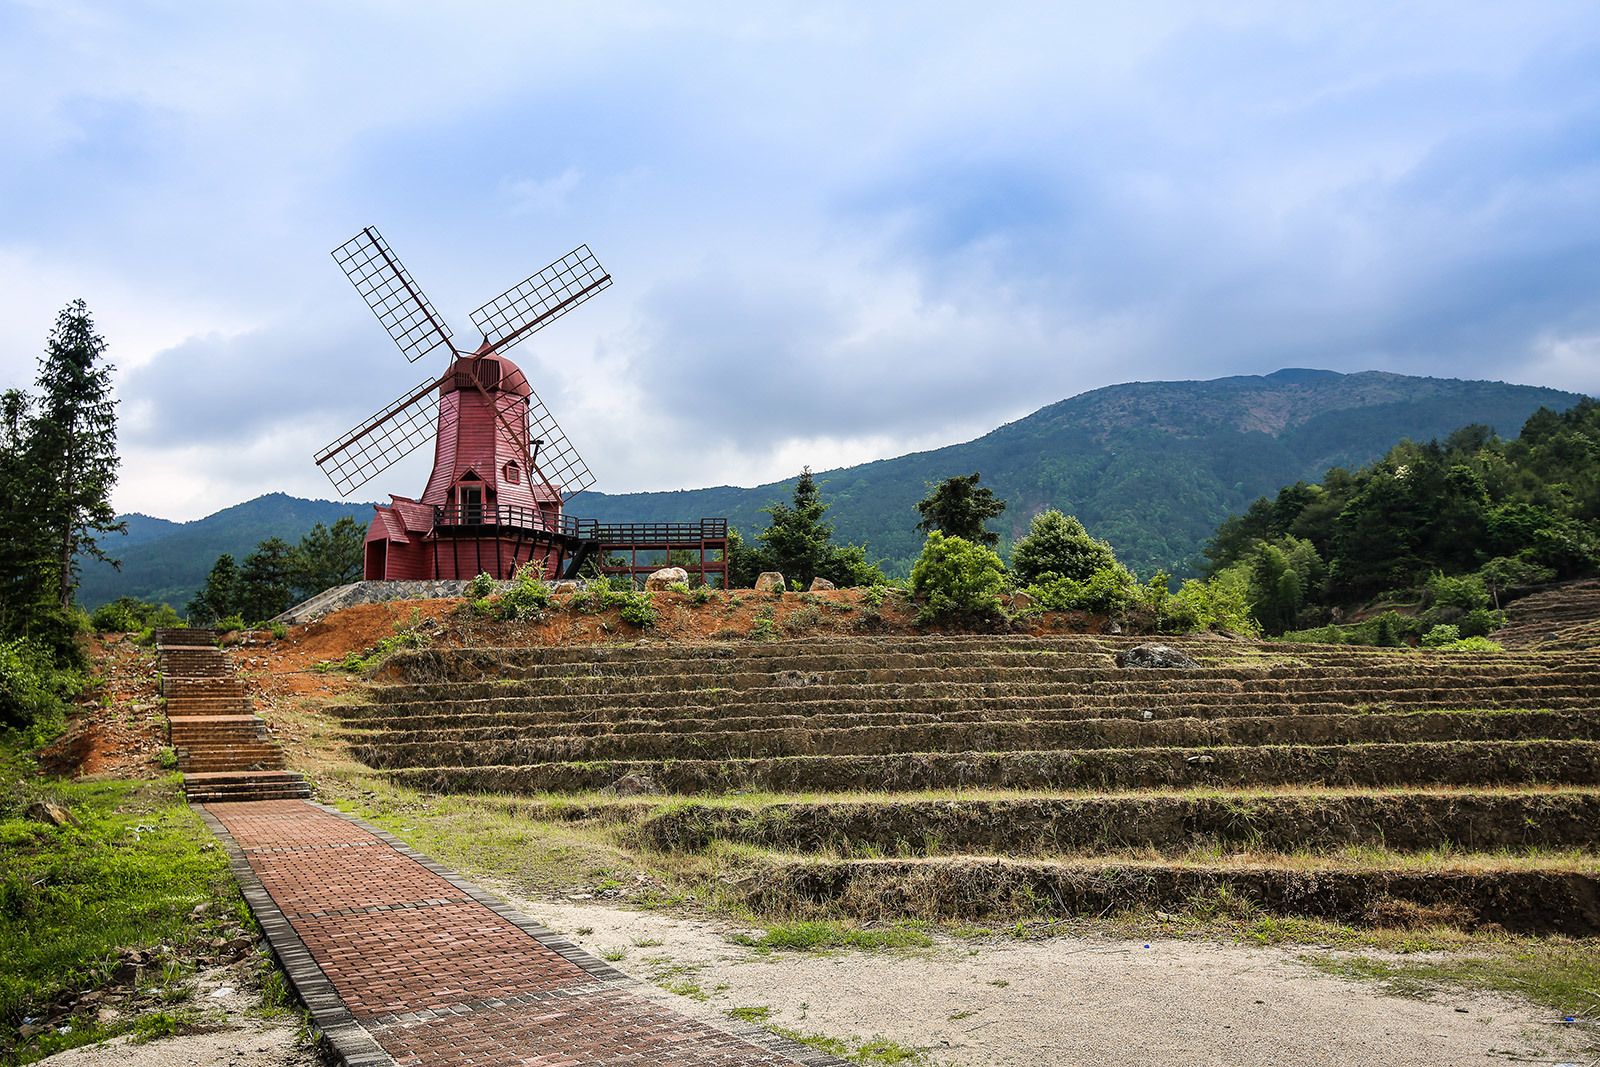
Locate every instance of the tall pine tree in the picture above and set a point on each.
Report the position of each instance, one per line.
(72, 447)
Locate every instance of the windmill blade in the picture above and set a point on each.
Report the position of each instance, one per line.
(556, 462)
(541, 299)
(378, 442)
(386, 286)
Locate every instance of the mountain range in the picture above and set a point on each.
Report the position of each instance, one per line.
(1153, 467)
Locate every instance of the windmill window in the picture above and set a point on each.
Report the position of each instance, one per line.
(513, 472)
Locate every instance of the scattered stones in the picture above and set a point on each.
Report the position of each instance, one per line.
(664, 577)
(770, 582)
(1152, 656)
(821, 585)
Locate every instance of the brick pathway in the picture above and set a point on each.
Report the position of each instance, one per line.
(402, 962)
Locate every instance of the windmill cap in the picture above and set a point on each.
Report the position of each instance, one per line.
(497, 373)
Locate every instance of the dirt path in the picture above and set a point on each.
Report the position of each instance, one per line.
(1088, 1002)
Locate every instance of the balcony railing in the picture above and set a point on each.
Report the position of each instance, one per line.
(463, 518)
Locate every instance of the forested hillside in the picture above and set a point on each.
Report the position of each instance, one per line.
(166, 562)
(1153, 467)
(1457, 520)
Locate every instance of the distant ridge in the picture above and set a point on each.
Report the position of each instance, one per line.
(167, 562)
(1151, 466)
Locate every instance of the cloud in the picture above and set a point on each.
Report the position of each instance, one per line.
(836, 230)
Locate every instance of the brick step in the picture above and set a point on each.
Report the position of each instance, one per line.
(1038, 826)
(1465, 763)
(241, 727)
(245, 785)
(241, 755)
(1089, 722)
(1554, 900)
(1345, 729)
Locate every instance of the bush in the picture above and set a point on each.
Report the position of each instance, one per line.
(636, 609)
(33, 688)
(956, 577)
(230, 624)
(527, 598)
(1058, 544)
(1480, 622)
(1441, 635)
(1108, 591)
(128, 614)
(1465, 592)
(1220, 603)
(480, 587)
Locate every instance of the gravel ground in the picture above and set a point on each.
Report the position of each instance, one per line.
(1089, 1002)
(243, 1038)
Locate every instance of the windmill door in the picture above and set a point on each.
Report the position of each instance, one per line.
(472, 504)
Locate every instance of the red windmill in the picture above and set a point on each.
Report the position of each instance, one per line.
(503, 469)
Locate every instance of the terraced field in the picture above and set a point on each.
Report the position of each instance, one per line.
(997, 777)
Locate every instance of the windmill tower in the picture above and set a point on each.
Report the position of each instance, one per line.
(503, 470)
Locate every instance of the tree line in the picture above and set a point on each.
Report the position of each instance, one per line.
(58, 464)
(1449, 524)
(276, 575)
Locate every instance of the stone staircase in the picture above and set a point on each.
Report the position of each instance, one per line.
(223, 747)
(876, 772)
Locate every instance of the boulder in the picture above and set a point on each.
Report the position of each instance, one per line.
(1021, 600)
(770, 582)
(664, 577)
(819, 585)
(632, 785)
(1153, 656)
(49, 811)
(565, 585)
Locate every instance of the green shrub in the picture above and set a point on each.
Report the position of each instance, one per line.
(1466, 592)
(1480, 622)
(1219, 603)
(128, 614)
(527, 598)
(678, 587)
(480, 587)
(1108, 591)
(1058, 544)
(702, 595)
(230, 624)
(635, 609)
(1441, 635)
(33, 689)
(956, 577)
(1472, 644)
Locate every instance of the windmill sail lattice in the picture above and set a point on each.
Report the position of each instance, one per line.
(386, 286)
(557, 462)
(382, 440)
(541, 299)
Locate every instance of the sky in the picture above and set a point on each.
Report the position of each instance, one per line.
(837, 232)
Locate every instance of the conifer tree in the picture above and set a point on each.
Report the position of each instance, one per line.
(798, 539)
(958, 507)
(71, 449)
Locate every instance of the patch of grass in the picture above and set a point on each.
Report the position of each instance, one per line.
(874, 1050)
(1564, 977)
(129, 874)
(612, 955)
(817, 936)
(756, 1014)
